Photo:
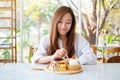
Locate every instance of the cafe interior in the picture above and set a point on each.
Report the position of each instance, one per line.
(23, 23)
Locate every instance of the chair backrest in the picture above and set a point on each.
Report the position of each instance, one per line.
(113, 50)
(94, 48)
(114, 58)
(31, 52)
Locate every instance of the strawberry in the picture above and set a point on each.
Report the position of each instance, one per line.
(62, 62)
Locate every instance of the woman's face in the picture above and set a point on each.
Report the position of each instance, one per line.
(64, 24)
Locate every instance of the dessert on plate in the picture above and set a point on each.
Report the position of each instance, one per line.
(58, 64)
(73, 64)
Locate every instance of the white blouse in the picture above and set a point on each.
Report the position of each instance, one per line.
(82, 50)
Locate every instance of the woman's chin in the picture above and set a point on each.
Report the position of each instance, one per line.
(63, 33)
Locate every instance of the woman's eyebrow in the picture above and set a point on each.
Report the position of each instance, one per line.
(69, 20)
(66, 20)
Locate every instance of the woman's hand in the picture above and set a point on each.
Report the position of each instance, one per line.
(59, 53)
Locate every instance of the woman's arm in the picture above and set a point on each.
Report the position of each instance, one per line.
(41, 56)
(38, 56)
(45, 59)
(58, 54)
(85, 53)
(88, 56)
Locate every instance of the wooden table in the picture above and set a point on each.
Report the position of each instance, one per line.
(23, 71)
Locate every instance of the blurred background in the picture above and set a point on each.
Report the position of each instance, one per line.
(24, 22)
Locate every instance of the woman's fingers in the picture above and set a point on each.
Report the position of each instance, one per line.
(64, 51)
(60, 53)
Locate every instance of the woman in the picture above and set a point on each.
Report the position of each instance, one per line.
(63, 40)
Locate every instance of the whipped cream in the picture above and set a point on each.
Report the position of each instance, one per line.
(73, 62)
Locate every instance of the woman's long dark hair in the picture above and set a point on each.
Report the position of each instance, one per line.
(54, 35)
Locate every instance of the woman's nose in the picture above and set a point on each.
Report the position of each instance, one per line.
(63, 25)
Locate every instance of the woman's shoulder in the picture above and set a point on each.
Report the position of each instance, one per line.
(45, 40)
(80, 37)
(45, 37)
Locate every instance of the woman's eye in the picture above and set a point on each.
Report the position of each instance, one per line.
(60, 21)
(68, 22)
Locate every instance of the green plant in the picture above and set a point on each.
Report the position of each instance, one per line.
(29, 58)
(6, 54)
(112, 38)
(116, 38)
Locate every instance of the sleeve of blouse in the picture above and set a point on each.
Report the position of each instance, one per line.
(87, 56)
(42, 49)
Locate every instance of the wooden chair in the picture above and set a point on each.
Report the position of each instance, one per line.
(94, 48)
(114, 50)
(116, 57)
(31, 52)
